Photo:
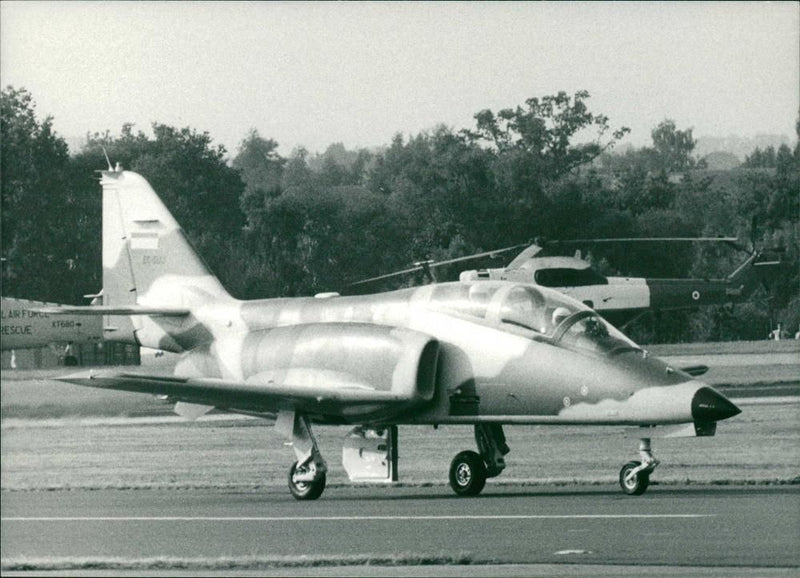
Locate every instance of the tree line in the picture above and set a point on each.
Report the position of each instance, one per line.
(273, 226)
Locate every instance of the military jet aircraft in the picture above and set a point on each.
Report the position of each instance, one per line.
(618, 299)
(477, 353)
(24, 326)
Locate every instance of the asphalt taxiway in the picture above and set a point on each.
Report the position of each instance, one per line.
(697, 526)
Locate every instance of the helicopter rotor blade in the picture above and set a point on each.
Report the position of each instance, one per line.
(730, 241)
(478, 255)
(647, 240)
(421, 266)
(386, 276)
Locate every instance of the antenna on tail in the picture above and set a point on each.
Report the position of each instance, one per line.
(108, 160)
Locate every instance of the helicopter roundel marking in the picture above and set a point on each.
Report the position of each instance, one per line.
(696, 295)
(584, 390)
(567, 401)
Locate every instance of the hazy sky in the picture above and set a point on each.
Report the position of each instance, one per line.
(316, 73)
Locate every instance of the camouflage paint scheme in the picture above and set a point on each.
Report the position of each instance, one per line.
(481, 352)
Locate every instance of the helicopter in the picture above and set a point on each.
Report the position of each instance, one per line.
(620, 300)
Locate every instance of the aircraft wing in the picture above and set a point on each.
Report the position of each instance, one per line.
(112, 310)
(263, 396)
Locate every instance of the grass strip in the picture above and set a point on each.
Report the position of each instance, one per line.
(422, 484)
(243, 563)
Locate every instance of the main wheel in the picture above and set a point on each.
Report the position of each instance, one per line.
(305, 490)
(467, 474)
(634, 485)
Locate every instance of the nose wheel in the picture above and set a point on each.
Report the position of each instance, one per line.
(634, 477)
(633, 480)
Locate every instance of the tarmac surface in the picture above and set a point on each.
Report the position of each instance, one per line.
(746, 527)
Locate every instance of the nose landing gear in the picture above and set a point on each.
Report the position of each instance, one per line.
(634, 477)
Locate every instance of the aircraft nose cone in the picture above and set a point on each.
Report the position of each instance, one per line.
(709, 405)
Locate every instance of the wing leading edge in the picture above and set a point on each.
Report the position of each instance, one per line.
(340, 401)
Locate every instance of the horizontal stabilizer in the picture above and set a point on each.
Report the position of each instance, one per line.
(111, 310)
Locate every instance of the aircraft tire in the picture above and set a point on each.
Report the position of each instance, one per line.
(305, 490)
(636, 485)
(467, 474)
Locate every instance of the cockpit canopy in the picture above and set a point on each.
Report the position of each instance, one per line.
(541, 313)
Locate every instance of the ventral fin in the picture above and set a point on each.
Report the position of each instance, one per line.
(191, 411)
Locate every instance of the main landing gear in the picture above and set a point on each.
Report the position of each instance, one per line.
(634, 477)
(467, 474)
(306, 482)
(469, 470)
(307, 474)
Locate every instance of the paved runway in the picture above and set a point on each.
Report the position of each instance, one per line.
(689, 525)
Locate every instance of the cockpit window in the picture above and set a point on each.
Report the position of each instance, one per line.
(562, 321)
(525, 307)
(586, 330)
(472, 300)
(541, 313)
(566, 277)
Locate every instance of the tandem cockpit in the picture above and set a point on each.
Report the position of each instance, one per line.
(539, 313)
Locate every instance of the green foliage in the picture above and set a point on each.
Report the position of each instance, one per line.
(766, 159)
(261, 168)
(533, 147)
(45, 255)
(544, 130)
(674, 147)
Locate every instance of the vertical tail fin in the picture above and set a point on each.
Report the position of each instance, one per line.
(758, 270)
(147, 258)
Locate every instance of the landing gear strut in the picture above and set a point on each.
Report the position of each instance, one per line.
(307, 474)
(634, 477)
(469, 470)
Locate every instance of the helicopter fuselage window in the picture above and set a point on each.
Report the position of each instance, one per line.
(566, 277)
